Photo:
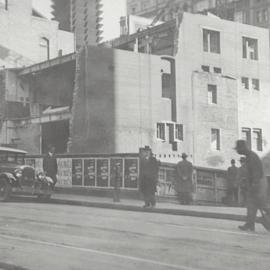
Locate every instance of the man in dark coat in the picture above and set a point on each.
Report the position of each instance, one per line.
(243, 181)
(184, 185)
(257, 186)
(149, 178)
(232, 180)
(50, 164)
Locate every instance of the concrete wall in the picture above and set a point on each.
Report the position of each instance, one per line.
(20, 35)
(118, 102)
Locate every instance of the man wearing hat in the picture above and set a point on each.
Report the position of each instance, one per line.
(149, 167)
(257, 186)
(183, 185)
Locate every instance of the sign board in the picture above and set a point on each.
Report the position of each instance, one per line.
(77, 174)
(116, 169)
(89, 172)
(64, 173)
(131, 173)
(102, 172)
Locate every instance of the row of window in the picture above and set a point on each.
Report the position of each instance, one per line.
(253, 137)
(215, 69)
(211, 43)
(255, 83)
(175, 132)
(212, 89)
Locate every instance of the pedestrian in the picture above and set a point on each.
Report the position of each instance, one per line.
(149, 176)
(257, 189)
(50, 164)
(232, 180)
(183, 183)
(117, 176)
(243, 181)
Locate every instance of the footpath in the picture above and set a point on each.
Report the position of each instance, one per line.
(170, 208)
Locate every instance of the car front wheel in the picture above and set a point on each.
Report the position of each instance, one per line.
(5, 190)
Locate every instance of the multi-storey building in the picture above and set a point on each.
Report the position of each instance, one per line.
(92, 21)
(27, 38)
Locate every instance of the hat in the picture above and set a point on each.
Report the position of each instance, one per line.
(184, 155)
(240, 144)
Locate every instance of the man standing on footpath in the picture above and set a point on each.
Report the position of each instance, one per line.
(184, 185)
(232, 179)
(257, 190)
(149, 177)
(243, 181)
(50, 164)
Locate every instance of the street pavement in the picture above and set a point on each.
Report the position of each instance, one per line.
(48, 236)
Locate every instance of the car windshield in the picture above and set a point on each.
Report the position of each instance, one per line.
(9, 157)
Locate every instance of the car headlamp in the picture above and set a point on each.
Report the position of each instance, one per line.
(18, 174)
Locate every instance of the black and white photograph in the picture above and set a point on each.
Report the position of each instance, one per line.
(134, 134)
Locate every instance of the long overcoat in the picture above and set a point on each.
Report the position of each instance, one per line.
(184, 170)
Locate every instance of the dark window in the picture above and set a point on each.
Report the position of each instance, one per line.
(215, 139)
(217, 70)
(255, 84)
(257, 139)
(265, 15)
(250, 48)
(166, 85)
(179, 132)
(245, 82)
(246, 135)
(211, 41)
(206, 68)
(161, 131)
(212, 94)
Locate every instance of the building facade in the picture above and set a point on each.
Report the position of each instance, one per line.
(199, 92)
(26, 38)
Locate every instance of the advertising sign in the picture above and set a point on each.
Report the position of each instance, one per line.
(131, 173)
(89, 172)
(64, 172)
(77, 172)
(102, 172)
(116, 170)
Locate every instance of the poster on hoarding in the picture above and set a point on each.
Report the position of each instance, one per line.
(131, 173)
(102, 172)
(77, 174)
(90, 172)
(116, 169)
(64, 173)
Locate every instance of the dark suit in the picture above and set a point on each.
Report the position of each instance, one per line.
(149, 178)
(257, 187)
(50, 166)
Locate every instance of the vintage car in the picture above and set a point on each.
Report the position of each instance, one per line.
(16, 178)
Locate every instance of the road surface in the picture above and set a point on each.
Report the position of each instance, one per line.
(37, 236)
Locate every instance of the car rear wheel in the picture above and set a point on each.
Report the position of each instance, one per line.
(5, 190)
